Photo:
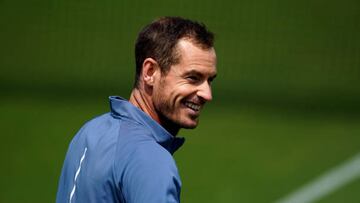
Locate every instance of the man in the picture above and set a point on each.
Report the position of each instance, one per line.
(126, 155)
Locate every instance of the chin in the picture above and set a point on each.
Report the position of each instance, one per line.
(190, 125)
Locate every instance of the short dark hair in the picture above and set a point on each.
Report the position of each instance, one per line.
(158, 40)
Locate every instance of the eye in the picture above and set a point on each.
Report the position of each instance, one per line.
(192, 78)
(210, 80)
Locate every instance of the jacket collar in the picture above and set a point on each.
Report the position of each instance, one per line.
(123, 108)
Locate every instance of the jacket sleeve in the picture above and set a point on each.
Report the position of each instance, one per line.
(151, 176)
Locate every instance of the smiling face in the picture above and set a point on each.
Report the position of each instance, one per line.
(180, 94)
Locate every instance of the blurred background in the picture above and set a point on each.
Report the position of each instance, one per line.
(286, 103)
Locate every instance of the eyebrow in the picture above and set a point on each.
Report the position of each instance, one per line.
(195, 72)
(213, 77)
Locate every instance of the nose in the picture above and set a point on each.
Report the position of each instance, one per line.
(204, 91)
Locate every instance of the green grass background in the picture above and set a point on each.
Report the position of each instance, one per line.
(286, 100)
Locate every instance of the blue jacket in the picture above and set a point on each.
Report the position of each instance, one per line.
(122, 156)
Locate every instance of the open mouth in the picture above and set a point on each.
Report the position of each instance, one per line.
(193, 106)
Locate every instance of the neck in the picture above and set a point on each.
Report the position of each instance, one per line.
(144, 102)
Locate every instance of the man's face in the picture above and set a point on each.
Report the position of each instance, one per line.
(180, 95)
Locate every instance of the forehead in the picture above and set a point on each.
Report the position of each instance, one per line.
(193, 57)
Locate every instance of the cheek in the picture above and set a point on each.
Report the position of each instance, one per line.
(182, 92)
(173, 91)
(165, 96)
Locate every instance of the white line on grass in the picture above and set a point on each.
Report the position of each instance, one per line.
(326, 183)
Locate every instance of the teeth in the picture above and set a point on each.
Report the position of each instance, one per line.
(193, 106)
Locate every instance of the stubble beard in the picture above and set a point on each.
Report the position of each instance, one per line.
(164, 109)
(169, 114)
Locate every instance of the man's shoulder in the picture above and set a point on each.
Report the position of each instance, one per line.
(96, 121)
(106, 122)
(130, 138)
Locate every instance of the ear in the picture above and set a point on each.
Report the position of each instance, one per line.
(150, 70)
